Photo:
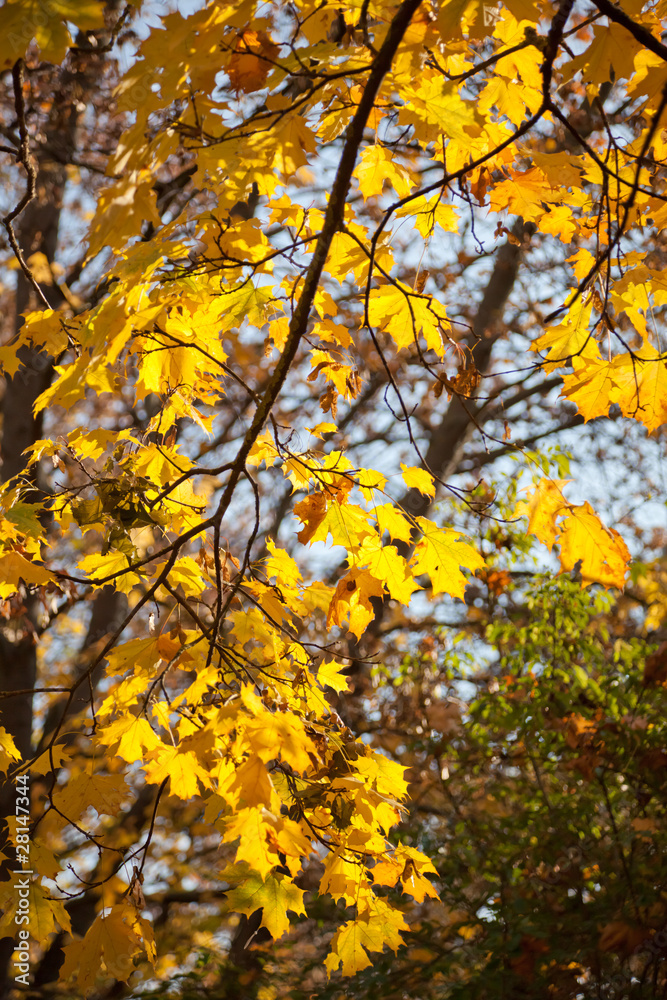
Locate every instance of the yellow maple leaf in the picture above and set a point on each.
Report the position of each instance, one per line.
(391, 520)
(46, 914)
(523, 193)
(51, 758)
(426, 213)
(46, 329)
(346, 523)
(378, 164)
(381, 926)
(542, 507)
(252, 827)
(122, 208)
(182, 767)
(342, 879)
(330, 675)
(15, 568)
(251, 783)
(387, 776)
(438, 105)
(404, 315)
(129, 737)
(111, 939)
(311, 511)
(105, 793)
(641, 386)
(142, 653)
(8, 751)
(601, 552)
(612, 46)
(567, 340)
(263, 450)
(112, 564)
(418, 479)
(274, 895)
(440, 554)
(47, 24)
(558, 222)
(592, 385)
(386, 565)
(413, 879)
(270, 734)
(353, 598)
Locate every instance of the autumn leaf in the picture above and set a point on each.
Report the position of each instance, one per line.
(391, 520)
(592, 385)
(440, 554)
(251, 60)
(111, 939)
(274, 895)
(330, 675)
(544, 505)
(355, 939)
(311, 513)
(8, 751)
(601, 552)
(181, 767)
(377, 165)
(641, 386)
(353, 600)
(131, 738)
(252, 826)
(15, 568)
(48, 26)
(418, 479)
(105, 793)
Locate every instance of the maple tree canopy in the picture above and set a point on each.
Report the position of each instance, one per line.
(261, 184)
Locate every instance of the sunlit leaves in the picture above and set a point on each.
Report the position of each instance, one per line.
(15, 568)
(181, 767)
(641, 386)
(601, 551)
(370, 932)
(47, 913)
(542, 508)
(353, 600)
(637, 382)
(274, 895)
(405, 315)
(597, 553)
(378, 166)
(250, 62)
(129, 737)
(22, 20)
(418, 479)
(436, 107)
(440, 554)
(253, 826)
(112, 939)
(227, 320)
(8, 751)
